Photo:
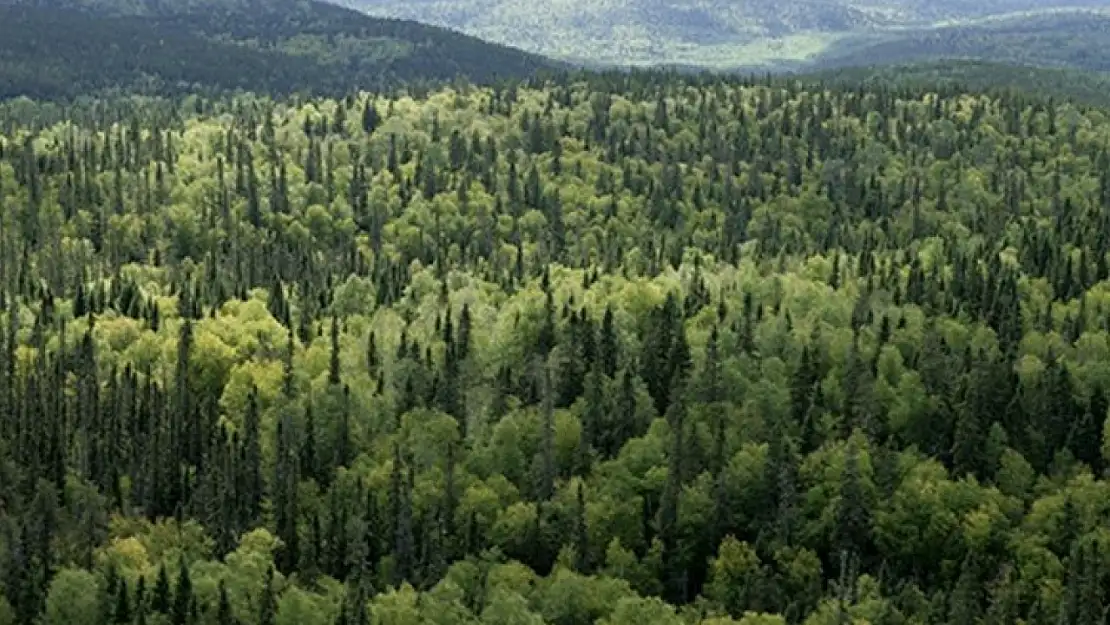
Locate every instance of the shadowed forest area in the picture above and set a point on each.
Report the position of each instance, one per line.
(66, 49)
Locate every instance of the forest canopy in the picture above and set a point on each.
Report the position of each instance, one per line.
(615, 349)
(64, 49)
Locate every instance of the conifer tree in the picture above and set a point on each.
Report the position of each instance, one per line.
(267, 603)
(333, 366)
(160, 602)
(182, 596)
(224, 615)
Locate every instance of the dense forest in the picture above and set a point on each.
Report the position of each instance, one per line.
(954, 76)
(616, 348)
(62, 49)
(1067, 39)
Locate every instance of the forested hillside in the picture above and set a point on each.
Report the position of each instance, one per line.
(1073, 40)
(67, 49)
(617, 349)
(766, 33)
(1086, 88)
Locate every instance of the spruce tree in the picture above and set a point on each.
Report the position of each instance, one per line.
(182, 596)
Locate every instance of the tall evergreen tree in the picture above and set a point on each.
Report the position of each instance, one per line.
(267, 603)
(182, 596)
(224, 614)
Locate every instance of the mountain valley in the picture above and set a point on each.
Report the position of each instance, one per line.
(721, 34)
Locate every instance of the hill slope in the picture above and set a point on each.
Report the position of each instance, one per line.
(52, 50)
(1063, 39)
(718, 33)
(1088, 88)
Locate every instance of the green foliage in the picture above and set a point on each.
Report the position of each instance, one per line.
(603, 348)
(72, 598)
(955, 76)
(7, 615)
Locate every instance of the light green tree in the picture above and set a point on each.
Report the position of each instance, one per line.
(72, 599)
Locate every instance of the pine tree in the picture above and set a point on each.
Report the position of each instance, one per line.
(405, 545)
(592, 421)
(545, 342)
(122, 613)
(965, 602)
(1091, 609)
(853, 533)
(450, 501)
(372, 353)
(581, 531)
(224, 615)
(462, 345)
(161, 601)
(625, 420)
(370, 117)
(140, 602)
(253, 455)
(286, 479)
(361, 615)
(109, 594)
(674, 568)
(343, 445)
(1003, 602)
(333, 367)
(267, 610)
(182, 596)
(337, 542)
(1086, 434)
(288, 380)
(546, 485)
(309, 465)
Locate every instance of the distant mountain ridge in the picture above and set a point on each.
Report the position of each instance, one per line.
(1062, 39)
(713, 33)
(1080, 87)
(55, 48)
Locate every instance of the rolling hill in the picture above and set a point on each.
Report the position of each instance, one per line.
(1074, 39)
(52, 49)
(712, 33)
(1081, 87)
